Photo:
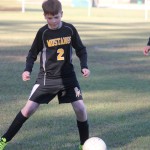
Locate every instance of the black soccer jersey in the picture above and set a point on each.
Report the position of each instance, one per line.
(148, 42)
(55, 47)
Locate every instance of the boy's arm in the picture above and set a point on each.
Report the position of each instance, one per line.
(33, 52)
(147, 48)
(32, 56)
(148, 42)
(80, 49)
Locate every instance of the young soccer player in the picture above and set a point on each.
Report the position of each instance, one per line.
(147, 48)
(54, 42)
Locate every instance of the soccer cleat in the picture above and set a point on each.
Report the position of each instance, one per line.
(80, 147)
(3, 143)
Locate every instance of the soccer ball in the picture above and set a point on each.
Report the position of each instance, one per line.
(94, 143)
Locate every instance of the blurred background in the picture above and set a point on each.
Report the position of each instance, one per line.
(117, 94)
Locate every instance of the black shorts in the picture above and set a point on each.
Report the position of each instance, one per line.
(67, 90)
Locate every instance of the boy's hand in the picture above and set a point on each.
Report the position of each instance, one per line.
(146, 50)
(26, 76)
(86, 72)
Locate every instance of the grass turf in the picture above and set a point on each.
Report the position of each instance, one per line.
(116, 95)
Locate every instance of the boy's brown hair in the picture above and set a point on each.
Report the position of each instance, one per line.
(52, 7)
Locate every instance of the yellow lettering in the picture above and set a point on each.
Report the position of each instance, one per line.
(65, 40)
(59, 41)
(50, 43)
(55, 42)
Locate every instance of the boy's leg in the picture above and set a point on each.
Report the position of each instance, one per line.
(82, 122)
(19, 120)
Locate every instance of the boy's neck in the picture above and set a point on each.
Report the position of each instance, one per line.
(60, 25)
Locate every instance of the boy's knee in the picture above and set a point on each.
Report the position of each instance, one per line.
(81, 110)
(29, 108)
(81, 114)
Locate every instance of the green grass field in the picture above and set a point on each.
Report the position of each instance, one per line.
(117, 94)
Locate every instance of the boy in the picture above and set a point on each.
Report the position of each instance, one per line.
(147, 48)
(56, 76)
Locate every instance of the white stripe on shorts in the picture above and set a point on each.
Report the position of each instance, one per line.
(34, 89)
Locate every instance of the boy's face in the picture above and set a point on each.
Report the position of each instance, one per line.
(54, 22)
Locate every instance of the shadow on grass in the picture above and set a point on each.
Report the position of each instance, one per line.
(121, 129)
(49, 131)
(111, 69)
(58, 131)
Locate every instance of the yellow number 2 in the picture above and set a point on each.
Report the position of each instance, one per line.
(60, 54)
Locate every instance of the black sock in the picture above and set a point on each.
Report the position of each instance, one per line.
(14, 127)
(83, 128)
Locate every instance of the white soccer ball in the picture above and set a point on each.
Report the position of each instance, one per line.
(94, 143)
